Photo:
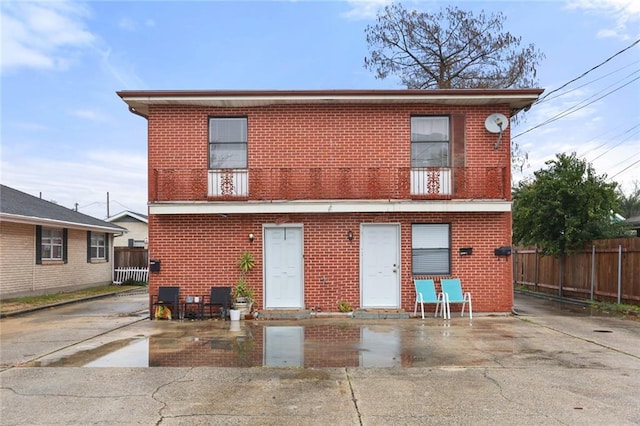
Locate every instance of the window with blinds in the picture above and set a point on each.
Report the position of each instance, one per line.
(431, 249)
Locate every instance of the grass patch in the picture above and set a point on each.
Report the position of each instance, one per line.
(29, 302)
(619, 308)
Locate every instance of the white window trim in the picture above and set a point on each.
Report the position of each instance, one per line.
(99, 246)
(51, 243)
(429, 239)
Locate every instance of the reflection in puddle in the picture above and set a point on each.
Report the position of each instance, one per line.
(135, 354)
(251, 344)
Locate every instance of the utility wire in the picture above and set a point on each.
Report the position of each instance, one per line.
(604, 143)
(572, 110)
(588, 71)
(625, 169)
(547, 99)
(618, 144)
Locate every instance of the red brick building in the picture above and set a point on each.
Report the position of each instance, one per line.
(343, 195)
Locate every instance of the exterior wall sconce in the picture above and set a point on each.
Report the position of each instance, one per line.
(349, 235)
(251, 238)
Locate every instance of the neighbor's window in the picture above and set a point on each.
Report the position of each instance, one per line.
(429, 142)
(228, 143)
(430, 249)
(51, 243)
(98, 245)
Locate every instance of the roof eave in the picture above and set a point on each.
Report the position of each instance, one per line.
(517, 99)
(31, 220)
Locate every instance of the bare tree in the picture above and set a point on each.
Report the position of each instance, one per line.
(449, 49)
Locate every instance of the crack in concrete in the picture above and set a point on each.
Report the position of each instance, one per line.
(164, 404)
(353, 396)
(495, 381)
(70, 395)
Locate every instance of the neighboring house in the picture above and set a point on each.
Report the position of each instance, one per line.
(634, 224)
(47, 248)
(340, 195)
(137, 226)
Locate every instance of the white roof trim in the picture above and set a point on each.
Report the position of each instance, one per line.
(141, 100)
(30, 220)
(127, 213)
(330, 206)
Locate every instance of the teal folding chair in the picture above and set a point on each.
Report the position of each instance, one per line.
(426, 293)
(452, 289)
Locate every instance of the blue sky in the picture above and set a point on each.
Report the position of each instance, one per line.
(68, 136)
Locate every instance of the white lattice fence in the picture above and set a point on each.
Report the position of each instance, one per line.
(122, 275)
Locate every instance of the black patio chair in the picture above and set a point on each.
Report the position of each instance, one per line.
(219, 300)
(167, 298)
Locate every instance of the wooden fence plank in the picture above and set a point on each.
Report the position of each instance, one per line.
(542, 273)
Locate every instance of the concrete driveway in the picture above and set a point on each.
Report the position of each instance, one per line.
(549, 365)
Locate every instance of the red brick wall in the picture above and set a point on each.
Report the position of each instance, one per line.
(200, 251)
(307, 136)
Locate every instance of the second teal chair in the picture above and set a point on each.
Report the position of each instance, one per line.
(452, 289)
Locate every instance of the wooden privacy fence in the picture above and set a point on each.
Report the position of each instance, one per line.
(122, 275)
(609, 270)
(130, 263)
(130, 257)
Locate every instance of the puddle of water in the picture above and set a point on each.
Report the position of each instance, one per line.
(135, 354)
(228, 344)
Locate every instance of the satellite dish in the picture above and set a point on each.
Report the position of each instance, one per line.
(496, 123)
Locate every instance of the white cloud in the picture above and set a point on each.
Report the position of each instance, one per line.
(364, 9)
(85, 180)
(120, 70)
(621, 12)
(43, 35)
(88, 114)
(129, 24)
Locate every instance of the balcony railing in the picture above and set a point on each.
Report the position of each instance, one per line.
(336, 183)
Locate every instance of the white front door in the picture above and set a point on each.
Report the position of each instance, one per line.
(380, 265)
(283, 267)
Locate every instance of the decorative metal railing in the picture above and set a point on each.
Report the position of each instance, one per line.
(335, 183)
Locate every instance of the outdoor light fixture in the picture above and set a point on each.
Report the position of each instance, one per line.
(349, 235)
(251, 237)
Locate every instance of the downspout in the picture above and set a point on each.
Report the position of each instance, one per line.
(133, 111)
(112, 255)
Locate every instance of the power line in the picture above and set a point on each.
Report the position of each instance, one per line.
(573, 109)
(625, 169)
(605, 143)
(547, 99)
(618, 144)
(588, 71)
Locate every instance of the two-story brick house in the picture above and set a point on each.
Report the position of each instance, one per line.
(339, 194)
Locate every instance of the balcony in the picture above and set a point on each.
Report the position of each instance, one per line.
(335, 183)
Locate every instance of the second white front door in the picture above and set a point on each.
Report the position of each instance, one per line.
(380, 265)
(283, 268)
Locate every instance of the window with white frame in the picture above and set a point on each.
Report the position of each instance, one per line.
(51, 244)
(227, 143)
(98, 245)
(429, 141)
(431, 249)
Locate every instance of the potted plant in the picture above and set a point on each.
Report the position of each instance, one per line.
(242, 294)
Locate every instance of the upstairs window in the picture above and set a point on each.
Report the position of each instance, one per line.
(228, 143)
(429, 142)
